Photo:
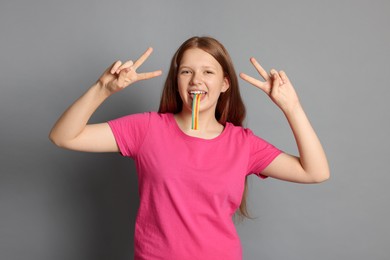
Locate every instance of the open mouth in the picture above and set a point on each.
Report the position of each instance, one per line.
(197, 92)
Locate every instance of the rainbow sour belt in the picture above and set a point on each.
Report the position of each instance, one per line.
(195, 111)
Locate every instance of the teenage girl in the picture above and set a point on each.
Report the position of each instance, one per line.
(191, 182)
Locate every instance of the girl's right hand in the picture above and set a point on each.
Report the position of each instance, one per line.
(119, 76)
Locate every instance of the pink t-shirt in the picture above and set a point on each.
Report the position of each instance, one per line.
(189, 187)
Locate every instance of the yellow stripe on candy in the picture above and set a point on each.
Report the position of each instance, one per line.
(195, 111)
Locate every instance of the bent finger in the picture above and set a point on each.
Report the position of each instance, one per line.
(115, 66)
(275, 75)
(276, 80)
(284, 77)
(125, 65)
(143, 57)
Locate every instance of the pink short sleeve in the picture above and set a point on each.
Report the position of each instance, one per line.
(129, 132)
(261, 155)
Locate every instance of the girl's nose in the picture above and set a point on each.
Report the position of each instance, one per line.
(196, 79)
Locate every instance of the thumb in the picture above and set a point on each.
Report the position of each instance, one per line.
(122, 78)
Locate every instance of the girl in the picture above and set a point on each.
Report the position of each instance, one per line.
(191, 182)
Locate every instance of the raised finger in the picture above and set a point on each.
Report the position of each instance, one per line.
(143, 57)
(259, 69)
(255, 82)
(149, 75)
(115, 66)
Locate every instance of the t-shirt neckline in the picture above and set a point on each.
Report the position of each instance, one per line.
(177, 129)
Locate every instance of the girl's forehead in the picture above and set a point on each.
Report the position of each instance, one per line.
(196, 56)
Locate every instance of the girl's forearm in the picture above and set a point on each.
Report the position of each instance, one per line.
(75, 118)
(311, 152)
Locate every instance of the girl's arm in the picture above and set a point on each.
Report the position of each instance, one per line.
(311, 166)
(71, 131)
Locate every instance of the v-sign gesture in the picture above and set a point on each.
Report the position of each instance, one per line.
(71, 131)
(276, 85)
(311, 166)
(119, 76)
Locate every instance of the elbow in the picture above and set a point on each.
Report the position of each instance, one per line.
(52, 138)
(61, 142)
(55, 140)
(322, 177)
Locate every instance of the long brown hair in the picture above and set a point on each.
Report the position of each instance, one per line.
(230, 107)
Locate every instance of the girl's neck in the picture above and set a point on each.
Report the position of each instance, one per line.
(208, 126)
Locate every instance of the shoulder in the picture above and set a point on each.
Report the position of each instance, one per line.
(143, 122)
(238, 131)
(246, 135)
(132, 117)
(143, 117)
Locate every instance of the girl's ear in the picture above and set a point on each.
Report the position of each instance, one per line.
(226, 84)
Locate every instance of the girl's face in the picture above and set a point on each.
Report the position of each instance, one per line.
(199, 72)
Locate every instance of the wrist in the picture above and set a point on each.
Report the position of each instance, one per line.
(101, 90)
(293, 110)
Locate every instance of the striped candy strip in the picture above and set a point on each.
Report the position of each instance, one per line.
(195, 111)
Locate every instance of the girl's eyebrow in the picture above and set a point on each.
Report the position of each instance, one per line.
(203, 67)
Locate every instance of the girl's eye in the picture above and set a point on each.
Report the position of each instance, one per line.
(184, 71)
(209, 72)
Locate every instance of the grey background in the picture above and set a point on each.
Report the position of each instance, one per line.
(58, 204)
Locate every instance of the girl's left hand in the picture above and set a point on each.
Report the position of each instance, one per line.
(276, 85)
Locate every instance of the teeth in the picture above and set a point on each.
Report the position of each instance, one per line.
(197, 92)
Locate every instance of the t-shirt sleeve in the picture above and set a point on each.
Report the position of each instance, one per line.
(261, 155)
(130, 132)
